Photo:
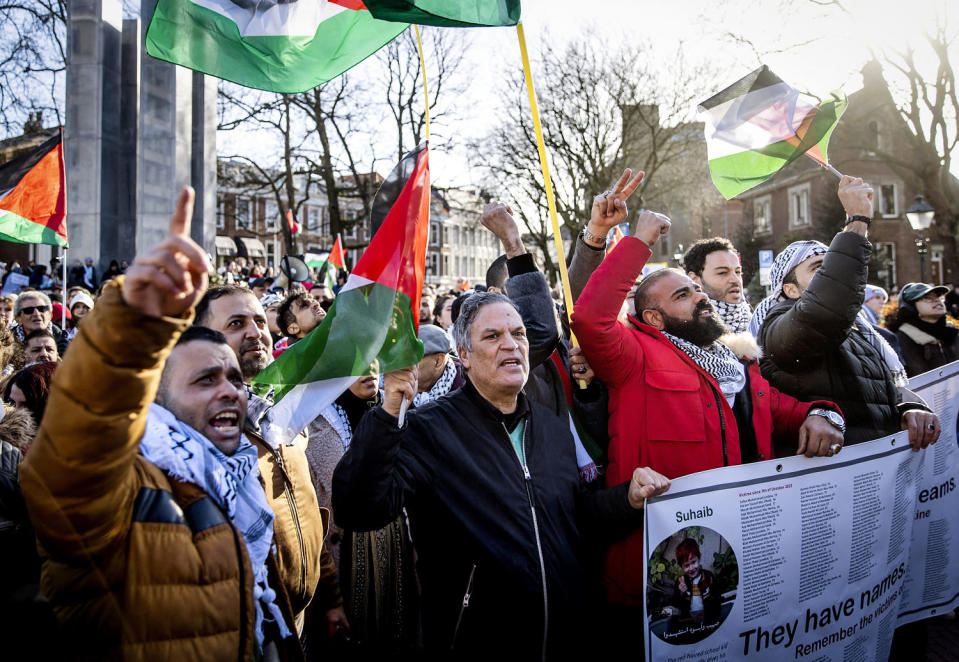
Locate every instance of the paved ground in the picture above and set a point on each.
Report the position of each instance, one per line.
(943, 639)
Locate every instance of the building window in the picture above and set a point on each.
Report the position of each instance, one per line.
(435, 234)
(220, 213)
(270, 253)
(798, 206)
(884, 262)
(762, 223)
(446, 266)
(887, 200)
(243, 214)
(872, 136)
(312, 220)
(432, 264)
(272, 214)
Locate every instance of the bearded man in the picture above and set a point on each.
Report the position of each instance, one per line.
(679, 400)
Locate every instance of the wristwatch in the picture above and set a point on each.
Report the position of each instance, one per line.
(835, 418)
(593, 240)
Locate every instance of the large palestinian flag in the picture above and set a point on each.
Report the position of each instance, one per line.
(760, 124)
(33, 196)
(287, 47)
(373, 320)
(447, 13)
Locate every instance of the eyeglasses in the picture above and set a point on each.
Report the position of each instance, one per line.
(29, 310)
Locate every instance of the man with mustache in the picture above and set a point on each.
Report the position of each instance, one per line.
(163, 534)
(234, 311)
(714, 264)
(679, 400)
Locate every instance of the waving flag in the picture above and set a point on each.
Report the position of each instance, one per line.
(614, 240)
(33, 199)
(337, 259)
(374, 318)
(295, 228)
(455, 14)
(760, 124)
(286, 47)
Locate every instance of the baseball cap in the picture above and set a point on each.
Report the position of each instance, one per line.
(912, 292)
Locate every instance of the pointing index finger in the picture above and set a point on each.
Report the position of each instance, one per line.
(182, 215)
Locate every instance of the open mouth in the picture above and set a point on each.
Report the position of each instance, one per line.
(226, 423)
(511, 363)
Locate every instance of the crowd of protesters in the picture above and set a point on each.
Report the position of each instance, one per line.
(152, 516)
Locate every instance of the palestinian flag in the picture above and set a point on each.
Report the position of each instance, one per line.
(615, 239)
(337, 258)
(444, 13)
(295, 228)
(325, 274)
(373, 320)
(33, 196)
(760, 124)
(285, 47)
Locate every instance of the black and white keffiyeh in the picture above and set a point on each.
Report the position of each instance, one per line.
(735, 315)
(440, 388)
(336, 416)
(233, 483)
(716, 359)
(794, 254)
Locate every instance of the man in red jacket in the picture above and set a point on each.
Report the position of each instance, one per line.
(679, 401)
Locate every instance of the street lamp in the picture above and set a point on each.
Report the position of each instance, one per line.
(919, 215)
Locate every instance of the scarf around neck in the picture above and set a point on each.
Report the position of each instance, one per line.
(716, 359)
(735, 315)
(440, 388)
(233, 483)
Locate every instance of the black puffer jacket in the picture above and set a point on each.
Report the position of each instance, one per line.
(469, 502)
(813, 349)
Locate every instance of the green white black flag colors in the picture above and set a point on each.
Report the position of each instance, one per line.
(285, 47)
(760, 124)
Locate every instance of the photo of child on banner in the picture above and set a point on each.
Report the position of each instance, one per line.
(692, 580)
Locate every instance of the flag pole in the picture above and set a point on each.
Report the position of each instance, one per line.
(825, 166)
(548, 185)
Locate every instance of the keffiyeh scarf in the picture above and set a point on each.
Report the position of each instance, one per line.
(440, 388)
(336, 416)
(716, 359)
(735, 315)
(795, 254)
(233, 483)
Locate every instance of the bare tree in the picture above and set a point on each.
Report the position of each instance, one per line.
(601, 110)
(33, 54)
(239, 107)
(403, 83)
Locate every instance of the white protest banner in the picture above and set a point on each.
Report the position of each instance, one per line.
(798, 558)
(932, 585)
(14, 282)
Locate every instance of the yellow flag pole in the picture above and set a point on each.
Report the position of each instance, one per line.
(426, 95)
(548, 184)
(405, 403)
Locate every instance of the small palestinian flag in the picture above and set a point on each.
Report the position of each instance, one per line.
(373, 321)
(33, 196)
(444, 13)
(291, 223)
(336, 257)
(285, 47)
(611, 242)
(759, 124)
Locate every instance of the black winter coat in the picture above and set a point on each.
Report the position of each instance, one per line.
(922, 351)
(814, 351)
(491, 538)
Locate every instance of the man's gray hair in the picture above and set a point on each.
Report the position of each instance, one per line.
(29, 294)
(468, 312)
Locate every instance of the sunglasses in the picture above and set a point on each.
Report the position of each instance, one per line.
(29, 310)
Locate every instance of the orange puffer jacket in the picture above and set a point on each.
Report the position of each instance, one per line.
(138, 566)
